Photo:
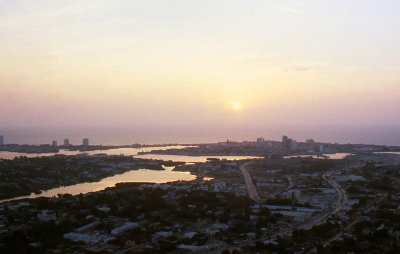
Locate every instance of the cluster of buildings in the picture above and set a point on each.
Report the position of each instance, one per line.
(180, 221)
(219, 187)
(191, 216)
(287, 146)
(272, 149)
(214, 211)
(85, 142)
(290, 146)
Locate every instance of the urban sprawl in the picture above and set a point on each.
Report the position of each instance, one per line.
(285, 197)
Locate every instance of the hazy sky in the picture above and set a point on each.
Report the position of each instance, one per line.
(212, 68)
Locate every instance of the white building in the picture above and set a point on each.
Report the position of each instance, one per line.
(46, 216)
(89, 238)
(126, 226)
(291, 194)
(221, 186)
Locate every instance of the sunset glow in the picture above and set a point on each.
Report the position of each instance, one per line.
(199, 126)
(236, 106)
(72, 64)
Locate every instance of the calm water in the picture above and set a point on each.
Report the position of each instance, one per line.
(335, 156)
(338, 156)
(388, 153)
(191, 159)
(118, 151)
(141, 175)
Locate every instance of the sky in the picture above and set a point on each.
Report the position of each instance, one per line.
(200, 71)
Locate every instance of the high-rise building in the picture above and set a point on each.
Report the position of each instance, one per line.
(289, 145)
(66, 142)
(294, 145)
(284, 142)
(260, 140)
(311, 145)
(1, 140)
(85, 142)
(54, 143)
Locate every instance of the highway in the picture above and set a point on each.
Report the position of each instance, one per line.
(251, 188)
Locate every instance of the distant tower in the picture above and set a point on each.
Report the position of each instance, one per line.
(66, 142)
(294, 145)
(1, 140)
(260, 140)
(54, 143)
(311, 145)
(288, 144)
(85, 142)
(284, 142)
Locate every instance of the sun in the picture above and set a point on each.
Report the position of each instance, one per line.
(236, 106)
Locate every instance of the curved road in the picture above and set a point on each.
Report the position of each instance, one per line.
(372, 206)
(342, 197)
(342, 200)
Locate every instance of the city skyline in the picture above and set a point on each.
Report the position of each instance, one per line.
(127, 137)
(203, 126)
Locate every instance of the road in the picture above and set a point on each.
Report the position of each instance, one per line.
(290, 180)
(342, 197)
(372, 206)
(342, 200)
(251, 188)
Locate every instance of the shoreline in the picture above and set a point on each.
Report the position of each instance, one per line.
(83, 175)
